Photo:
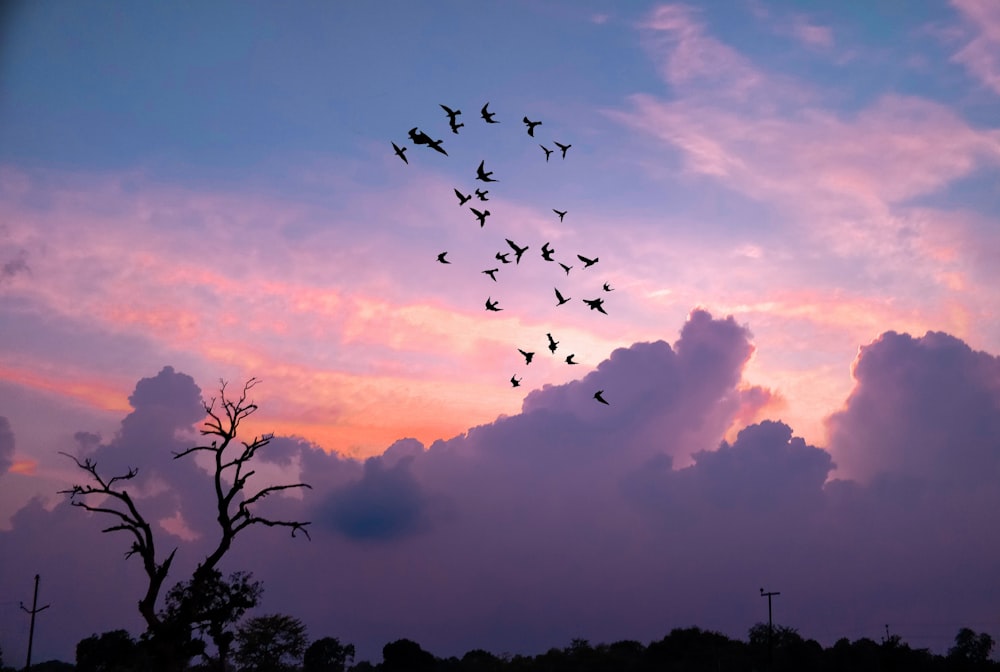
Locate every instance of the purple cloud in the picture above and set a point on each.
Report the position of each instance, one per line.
(6, 445)
(386, 503)
(924, 408)
(573, 519)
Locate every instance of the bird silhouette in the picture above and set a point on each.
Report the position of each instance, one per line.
(442, 259)
(531, 126)
(421, 138)
(462, 198)
(492, 305)
(607, 287)
(400, 152)
(569, 359)
(547, 151)
(561, 213)
(552, 344)
(562, 147)
(515, 381)
(547, 252)
(518, 251)
(481, 216)
(503, 257)
(488, 116)
(492, 273)
(452, 116)
(527, 355)
(436, 146)
(599, 395)
(482, 194)
(596, 304)
(560, 298)
(565, 267)
(482, 174)
(587, 262)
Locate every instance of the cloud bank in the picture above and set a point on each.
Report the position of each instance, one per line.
(574, 519)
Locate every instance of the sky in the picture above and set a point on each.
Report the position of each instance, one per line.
(795, 209)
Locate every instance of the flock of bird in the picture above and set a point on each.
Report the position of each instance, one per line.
(481, 213)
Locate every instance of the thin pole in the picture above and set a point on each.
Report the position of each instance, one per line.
(770, 625)
(31, 631)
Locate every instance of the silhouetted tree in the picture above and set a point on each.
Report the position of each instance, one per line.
(234, 508)
(327, 654)
(478, 660)
(404, 655)
(694, 649)
(971, 651)
(113, 651)
(210, 606)
(270, 643)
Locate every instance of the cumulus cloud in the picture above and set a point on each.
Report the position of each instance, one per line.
(925, 408)
(573, 519)
(386, 503)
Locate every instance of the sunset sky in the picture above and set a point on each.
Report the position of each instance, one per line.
(796, 205)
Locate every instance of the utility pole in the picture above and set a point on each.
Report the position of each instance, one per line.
(770, 626)
(31, 631)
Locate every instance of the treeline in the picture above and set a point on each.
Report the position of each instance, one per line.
(278, 644)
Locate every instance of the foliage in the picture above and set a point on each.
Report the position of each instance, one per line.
(113, 651)
(209, 604)
(404, 655)
(270, 643)
(327, 654)
(971, 650)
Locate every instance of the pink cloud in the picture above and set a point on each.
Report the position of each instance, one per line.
(690, 57)
(811, 34)
(981, 55)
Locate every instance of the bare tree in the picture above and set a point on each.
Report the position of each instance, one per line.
(235, 505)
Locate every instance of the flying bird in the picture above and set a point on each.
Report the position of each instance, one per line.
(607, 287)
(552, 344)
(565, 267)
(503, 257)
(492, 305)
(599, 395)
(481, 216)
(482, 194)
(400, 152)
(518, 251)
(442, 259)
(531, 126)
(560, 298)
(561, 213)
(569, 359)
(436, 146)
(547, 152)
(452, 116)
(587, 262)
(596, 304)
(482, 174)
(488, 116)
(492, 273)
(562, 147)
(547, 252)
(421, 138)
(527, 355)
(462, 198)
(515, 381)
